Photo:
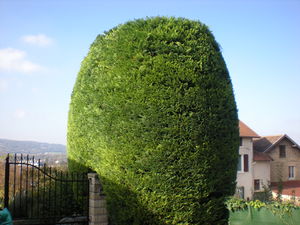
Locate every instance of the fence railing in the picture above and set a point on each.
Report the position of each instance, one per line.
(33, 191)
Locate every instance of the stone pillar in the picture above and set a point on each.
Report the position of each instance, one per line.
(97, 202)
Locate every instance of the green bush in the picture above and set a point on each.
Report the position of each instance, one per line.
(258, 212)
(153, 113)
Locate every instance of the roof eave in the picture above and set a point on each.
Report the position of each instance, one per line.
(280, 139)
(250, 136)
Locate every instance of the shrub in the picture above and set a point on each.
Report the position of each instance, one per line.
(282, 212)
(153, 113)
(265, 195)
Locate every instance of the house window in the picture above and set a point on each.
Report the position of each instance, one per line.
(246, 163)
(256, 185)
(243, 163)
(282, 151)
(241, 141)
(239, 168)
(291, 172)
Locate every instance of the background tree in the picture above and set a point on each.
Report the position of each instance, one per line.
(153, 113)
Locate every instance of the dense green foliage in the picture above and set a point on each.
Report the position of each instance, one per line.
(153, 113)
(259, 212)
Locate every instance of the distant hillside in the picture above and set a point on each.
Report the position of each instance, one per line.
(30, 147)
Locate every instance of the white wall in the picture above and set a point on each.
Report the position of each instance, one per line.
(261, 171)
(245, 179)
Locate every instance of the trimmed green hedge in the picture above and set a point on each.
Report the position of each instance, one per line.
(153, 113)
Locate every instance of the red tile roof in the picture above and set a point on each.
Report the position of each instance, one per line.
(263, 143)
(246, 131)
(266, 143)
(260, 156)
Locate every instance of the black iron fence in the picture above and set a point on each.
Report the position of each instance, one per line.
(37, 194)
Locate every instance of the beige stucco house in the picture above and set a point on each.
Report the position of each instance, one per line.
(266, 160)
(285, 154)
(253, 167)
(245, 169)
(261, 171)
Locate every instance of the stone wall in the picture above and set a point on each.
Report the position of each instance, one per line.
(97, 203)
(280, 166)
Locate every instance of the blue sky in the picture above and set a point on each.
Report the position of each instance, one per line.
(42, 44)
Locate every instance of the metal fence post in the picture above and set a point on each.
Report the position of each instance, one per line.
(6, 182)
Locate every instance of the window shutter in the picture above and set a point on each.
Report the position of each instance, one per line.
(246, 163)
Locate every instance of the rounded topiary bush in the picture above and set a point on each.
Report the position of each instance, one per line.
(153, 113)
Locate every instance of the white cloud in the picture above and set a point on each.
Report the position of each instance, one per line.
(39, 40)
(19, 114)
(14, 60)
